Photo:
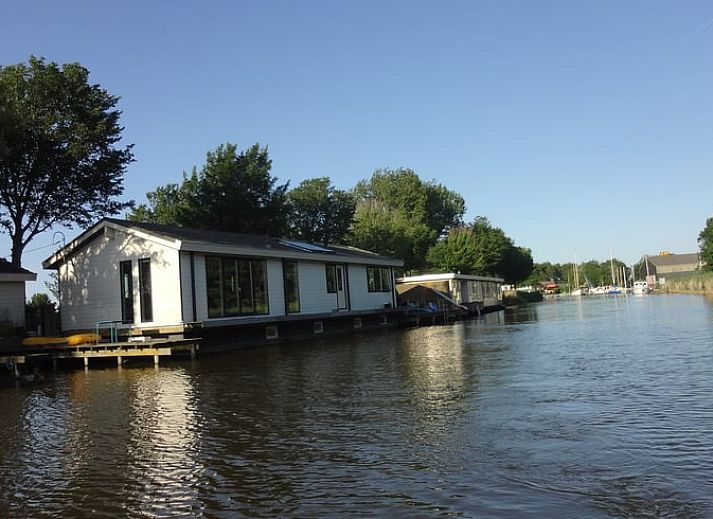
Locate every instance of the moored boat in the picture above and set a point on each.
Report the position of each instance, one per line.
(641, 287)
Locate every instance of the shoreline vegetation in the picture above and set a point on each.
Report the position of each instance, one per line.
(698, 283)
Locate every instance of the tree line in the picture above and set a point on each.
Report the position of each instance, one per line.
(393, 213)
(62, 163)
(592, 272)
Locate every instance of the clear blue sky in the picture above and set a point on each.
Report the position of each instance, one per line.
(576, 127)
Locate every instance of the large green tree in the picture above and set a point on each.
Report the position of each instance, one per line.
(60, 162)
(705, 242)
(481, 249)
(320, 212)
(399, 214)
(234, 191)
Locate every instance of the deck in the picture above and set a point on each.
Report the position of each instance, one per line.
(153, 348)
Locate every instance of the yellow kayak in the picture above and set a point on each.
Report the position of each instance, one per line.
(44, 341)
(72, 340)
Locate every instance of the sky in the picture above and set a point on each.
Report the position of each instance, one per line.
(579, 128)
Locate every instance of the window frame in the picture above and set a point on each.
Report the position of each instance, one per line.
(254, 276)
(145, 290)
(378, 279)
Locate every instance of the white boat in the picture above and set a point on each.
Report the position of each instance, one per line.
(641, 287)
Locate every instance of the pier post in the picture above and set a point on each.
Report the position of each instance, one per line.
(119, 361)
(86, 362)
(193, 352)
(54, 364)
(155, 360)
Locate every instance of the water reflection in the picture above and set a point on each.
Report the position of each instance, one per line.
(434, 367)
(163, 463)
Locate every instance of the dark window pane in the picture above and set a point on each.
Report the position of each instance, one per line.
(385, 280)
(371, 279)
(292, 287)
(245, 287)
(145, 290)
(127, 292)
(230, 286)
(331, 278)
(213, 284)
(259, 278)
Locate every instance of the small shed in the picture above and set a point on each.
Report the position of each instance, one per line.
(12, 294)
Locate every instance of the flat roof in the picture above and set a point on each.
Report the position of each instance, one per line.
(445, 277)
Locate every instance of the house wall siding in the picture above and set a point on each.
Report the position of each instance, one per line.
(314, 298)
(90, 289)
(361, 298)
(12, 302)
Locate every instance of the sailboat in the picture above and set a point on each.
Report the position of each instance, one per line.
(578, 291)
(642, 287)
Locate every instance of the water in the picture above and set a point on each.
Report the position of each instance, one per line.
(594, 408)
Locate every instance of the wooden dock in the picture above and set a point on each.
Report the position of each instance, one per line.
(152, 348)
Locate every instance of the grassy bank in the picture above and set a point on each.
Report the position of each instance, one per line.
(699, 283)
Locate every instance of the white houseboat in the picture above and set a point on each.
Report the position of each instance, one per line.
(148, 279)
(476, 293)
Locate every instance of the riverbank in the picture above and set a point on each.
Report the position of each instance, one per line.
(699, 283)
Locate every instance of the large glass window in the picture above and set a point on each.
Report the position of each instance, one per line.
(145, 290)
(292, 287)
(236, 286)
(378, 279)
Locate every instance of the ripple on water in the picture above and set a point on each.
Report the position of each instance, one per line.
(592, 408)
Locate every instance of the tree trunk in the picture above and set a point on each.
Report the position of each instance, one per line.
(17, 248)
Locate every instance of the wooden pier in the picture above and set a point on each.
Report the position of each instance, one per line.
(150, 349)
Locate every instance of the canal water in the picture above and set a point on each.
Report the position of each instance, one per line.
(600, 407)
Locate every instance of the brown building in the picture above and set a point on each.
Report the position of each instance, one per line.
(668, 266)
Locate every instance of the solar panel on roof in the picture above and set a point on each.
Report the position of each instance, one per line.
(306, 247)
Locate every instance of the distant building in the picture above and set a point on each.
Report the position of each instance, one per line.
(12, 293)
(669, 266)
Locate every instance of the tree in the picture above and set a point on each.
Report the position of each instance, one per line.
(705, 242)
(384, 230)
(457, 252)
(516, 264)
(319, 212)
(481, 249)
(232, 192)
(399, 214)
(60, 162)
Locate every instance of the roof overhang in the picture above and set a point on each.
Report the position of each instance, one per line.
(204, 247)
(218, 248)
(29, 276)
(424, 278)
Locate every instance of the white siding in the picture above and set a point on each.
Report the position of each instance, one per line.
(314, 298)
(275, 287)
(90, 288)
(361, 298)
(186, 292)
(12, 302)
